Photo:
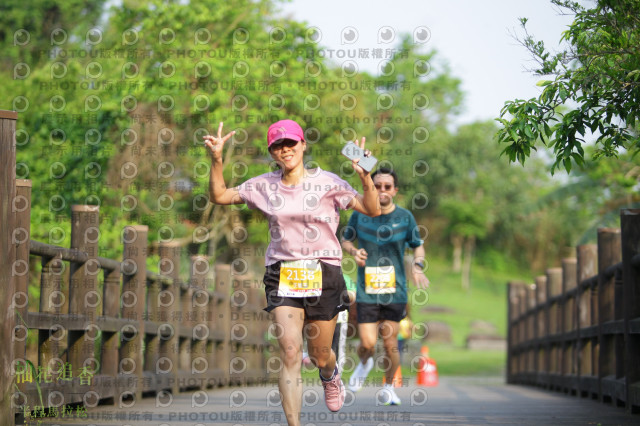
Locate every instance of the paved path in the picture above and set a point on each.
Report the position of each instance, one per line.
(455, 401)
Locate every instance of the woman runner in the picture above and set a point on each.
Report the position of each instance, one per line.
(303, 278)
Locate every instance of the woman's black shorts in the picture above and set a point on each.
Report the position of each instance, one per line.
(333, 299)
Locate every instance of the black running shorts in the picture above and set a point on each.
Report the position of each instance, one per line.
(369, 312)
(333, 299)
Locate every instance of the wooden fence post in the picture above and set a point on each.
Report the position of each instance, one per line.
(222, 317)
(185, 318)
(554, 323)
(609, 253)
(531, 331)
(214, 373)
(52, 300)
(169, 300)
(21, 235)
(152, 340)
(511, 314)
(7, 254)
(21, 206)
(110, 339)
(83, 283)
(522, 327)
(198, 305)
(568, 369)
(241, 329)
(542, 330)
(569, 357)
(260, 325)
(630, 229)
(587, 267)
(134, 269)
(514, 330)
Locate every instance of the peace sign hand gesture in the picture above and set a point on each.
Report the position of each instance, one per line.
(216, 143)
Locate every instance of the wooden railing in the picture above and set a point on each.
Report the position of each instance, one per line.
(577, 329)
(107, 331)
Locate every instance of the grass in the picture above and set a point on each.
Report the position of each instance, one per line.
(485, 300)
(450, 360)
(458, 361)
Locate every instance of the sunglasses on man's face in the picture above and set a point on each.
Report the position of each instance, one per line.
(386, 187)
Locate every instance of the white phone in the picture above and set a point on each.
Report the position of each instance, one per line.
(353, 151)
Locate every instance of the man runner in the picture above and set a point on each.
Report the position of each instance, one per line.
(381, 294)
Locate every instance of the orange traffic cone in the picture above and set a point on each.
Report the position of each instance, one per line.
(427, 369)
(397, 378)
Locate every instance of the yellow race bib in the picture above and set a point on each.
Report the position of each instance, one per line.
(379, 279)
(300, 278)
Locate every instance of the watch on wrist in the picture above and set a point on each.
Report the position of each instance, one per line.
(420, 264)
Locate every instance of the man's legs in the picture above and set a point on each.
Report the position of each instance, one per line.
(289, 321)
(368, 332)
(368, 335)
(389, 333)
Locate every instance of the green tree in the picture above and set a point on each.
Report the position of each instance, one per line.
(29, 29)
(119, 121)
(489, 210)
(596, 193)
(594, 90)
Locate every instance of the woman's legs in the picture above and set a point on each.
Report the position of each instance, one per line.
(319, 336)
(289, 322)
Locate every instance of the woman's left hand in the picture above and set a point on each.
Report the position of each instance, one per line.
(361, 172)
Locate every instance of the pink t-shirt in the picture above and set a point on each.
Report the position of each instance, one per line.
(303, 219)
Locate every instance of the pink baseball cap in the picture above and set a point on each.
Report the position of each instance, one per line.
(284, 129)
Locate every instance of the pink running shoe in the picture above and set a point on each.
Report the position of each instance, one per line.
(306, 361)
(334, 392)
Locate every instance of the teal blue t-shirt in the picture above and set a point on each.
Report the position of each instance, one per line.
(385, 239)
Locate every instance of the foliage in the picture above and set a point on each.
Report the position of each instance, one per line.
(491, 204)
(114, 115)
(28, 31)
(595, 89)
(605, 186)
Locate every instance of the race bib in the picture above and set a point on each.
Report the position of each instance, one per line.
(379, 279)
(300, 278)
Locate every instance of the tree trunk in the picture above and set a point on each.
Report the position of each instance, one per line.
(456, 240)
(469, 245)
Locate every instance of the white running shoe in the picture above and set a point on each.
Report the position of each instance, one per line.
(388, 395)
(360, 375)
